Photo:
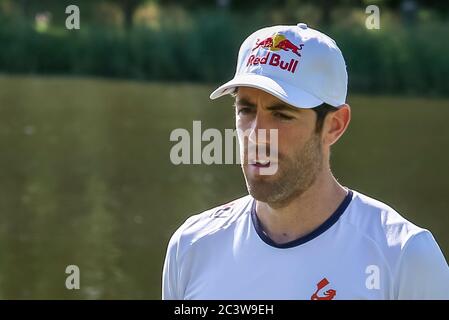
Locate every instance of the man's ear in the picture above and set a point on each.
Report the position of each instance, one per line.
(335, 124)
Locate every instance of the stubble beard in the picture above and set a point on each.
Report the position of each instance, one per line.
(295, 175)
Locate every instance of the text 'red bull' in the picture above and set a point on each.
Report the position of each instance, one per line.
(273, 59)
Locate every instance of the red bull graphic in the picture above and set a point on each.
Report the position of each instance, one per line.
(266, 43)
(287, 45)
(276, 42)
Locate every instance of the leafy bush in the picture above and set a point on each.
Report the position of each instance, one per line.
(410, 60)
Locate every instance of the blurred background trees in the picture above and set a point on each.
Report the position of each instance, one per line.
(197, 40)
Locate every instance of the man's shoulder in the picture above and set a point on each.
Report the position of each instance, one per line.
(412, 253)
(211, 221)
(379, 223)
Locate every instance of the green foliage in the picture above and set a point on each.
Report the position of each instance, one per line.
(408, 60)
(399, 59)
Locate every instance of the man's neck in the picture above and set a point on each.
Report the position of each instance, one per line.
(303, 214)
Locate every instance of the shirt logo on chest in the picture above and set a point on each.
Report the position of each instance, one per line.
(327, 295)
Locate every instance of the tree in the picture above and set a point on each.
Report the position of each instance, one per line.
(128, 8)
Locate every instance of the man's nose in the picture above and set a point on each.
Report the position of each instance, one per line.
(259, 130)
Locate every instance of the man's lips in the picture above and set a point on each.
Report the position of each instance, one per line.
(261, 163)
(258, 165)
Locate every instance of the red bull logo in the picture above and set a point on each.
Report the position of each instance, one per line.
(277, 42)
(266, 43)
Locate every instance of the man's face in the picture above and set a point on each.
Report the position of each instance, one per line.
(300, 154)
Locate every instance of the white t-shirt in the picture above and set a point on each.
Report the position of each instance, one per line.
(365, 250)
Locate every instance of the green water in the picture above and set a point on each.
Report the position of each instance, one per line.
(86, 177)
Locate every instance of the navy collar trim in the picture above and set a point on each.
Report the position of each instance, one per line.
(322, 228)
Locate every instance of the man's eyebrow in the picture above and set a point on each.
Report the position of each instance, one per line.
(281, 107)
(244, 102)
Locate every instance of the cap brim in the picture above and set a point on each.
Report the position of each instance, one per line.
(289, 94)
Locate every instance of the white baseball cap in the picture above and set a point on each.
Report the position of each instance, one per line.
(297, 64)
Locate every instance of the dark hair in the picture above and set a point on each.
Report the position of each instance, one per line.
(321, 111)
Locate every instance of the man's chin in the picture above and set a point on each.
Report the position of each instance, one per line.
(271, 194)
(262, 188)
(263, 195)
(270, 190)
(261, 173)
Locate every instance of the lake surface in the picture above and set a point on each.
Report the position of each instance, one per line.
(86, 177)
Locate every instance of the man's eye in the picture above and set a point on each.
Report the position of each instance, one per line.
(282, 116)
(244, 110)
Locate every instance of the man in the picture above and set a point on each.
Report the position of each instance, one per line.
(299, 234)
